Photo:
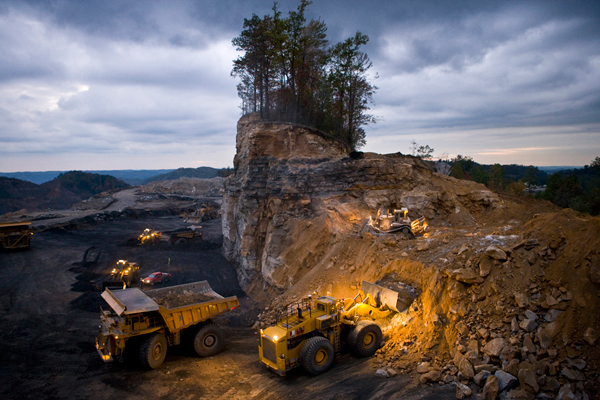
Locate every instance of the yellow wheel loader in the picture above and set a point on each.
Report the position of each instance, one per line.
(149, 236)
(309, 333)
(124, 275)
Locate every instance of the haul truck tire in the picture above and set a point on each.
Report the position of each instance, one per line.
(317, 355)
(365, 338)
(208, 340)
(153, 350)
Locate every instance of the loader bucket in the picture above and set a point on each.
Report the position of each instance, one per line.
(398, 302)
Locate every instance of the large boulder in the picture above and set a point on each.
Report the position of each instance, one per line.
(494, 347)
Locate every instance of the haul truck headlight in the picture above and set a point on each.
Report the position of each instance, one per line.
(275, 338)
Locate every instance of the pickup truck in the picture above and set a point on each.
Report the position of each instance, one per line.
(147, 322)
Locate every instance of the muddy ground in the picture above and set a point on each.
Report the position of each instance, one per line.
(49, 314)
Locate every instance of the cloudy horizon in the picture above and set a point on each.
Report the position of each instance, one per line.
(107, 85)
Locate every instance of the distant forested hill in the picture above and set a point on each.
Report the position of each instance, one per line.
(131, 176)
(576, 188)
(200, 172)
(60, 193)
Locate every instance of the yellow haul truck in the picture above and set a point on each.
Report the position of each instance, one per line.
(311, 331)
(15, 235)
(138, 321)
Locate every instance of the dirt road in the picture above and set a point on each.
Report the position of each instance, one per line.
(123, 198)
(49, 313)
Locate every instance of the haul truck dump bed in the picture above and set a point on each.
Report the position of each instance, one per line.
(155, 319)
(15, 235)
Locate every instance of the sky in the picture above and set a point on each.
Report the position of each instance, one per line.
(116, 84)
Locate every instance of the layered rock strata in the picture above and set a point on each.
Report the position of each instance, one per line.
(295, 193)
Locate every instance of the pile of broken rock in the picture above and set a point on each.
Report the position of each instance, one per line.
(508, 346)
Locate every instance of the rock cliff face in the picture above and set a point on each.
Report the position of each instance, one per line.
(295, 193)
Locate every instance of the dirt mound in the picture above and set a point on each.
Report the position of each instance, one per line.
(174, 300)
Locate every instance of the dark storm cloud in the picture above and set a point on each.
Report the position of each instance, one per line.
(141, 78)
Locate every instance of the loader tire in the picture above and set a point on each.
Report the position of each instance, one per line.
(365, 338)
(153, 350)
(317, 355)
(208, 340)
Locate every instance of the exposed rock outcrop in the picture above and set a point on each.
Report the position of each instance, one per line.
(295, 192)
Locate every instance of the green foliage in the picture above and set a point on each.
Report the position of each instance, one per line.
(497, 181)
(420, 151)
(515, 188)
(89, 184)
(480, 175)
(564, 192)
(456, 171)
(461, 165)
(288, 73)
(531, 175)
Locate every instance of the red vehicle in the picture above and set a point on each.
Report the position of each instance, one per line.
(157, 277)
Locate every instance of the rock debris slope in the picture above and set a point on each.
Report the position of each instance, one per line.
(506, 289)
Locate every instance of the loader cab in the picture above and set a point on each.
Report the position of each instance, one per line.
(326, 304)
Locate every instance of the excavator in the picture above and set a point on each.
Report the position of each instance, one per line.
(311, 332)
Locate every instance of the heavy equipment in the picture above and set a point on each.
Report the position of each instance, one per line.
(185, 235)
(15, 235)
(310, 332)
(398, 221)
(204, 213)
(124, 275)
(145, 323)
(149, 236)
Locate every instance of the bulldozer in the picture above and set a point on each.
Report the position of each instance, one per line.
(398, 221)
(124, 275)
(310, 333)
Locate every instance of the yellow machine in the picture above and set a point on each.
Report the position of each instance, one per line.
(311, 332)
(398, 221)
(138, 323)
(202, 214)
(15, 235)
(185, 235)
(124, 275)
(149, 236)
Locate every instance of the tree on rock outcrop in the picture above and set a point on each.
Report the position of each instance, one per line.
(289, 74)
